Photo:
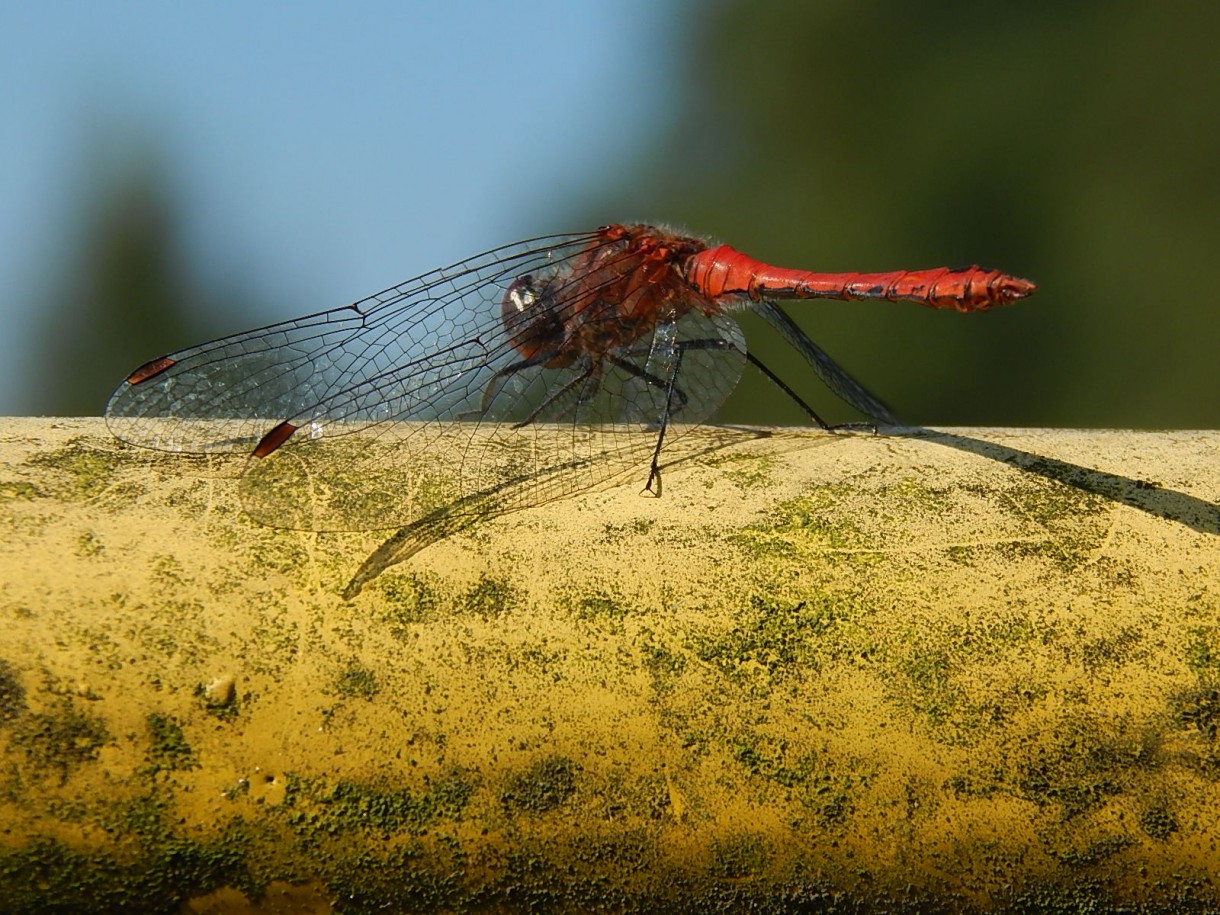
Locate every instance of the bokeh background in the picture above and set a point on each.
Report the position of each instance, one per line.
(174, 172)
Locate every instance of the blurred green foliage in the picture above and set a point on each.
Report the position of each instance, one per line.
(124, 292)
(1076, 144)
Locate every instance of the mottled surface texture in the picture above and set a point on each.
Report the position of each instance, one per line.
(868, 673)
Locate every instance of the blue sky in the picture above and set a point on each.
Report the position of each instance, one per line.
(319, 151)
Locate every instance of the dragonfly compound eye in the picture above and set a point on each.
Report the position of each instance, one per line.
(530, 316)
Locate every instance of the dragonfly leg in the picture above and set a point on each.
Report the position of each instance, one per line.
(675, 394)
(654, 466)
(829, 371)
(809, 411)
(674, 400)
(654, 380)
(783, 386)
(591, 372)
(493, 386)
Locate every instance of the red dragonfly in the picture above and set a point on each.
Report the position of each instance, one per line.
(560, 360)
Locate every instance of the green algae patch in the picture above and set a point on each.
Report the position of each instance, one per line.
(638, 527)
(356, 681)
(168, 746)
(317, 809)
(812, 521)
(775, 640)
(62, 740)
(665, 667)
(543, 787)
(19, 491)
(1074, 522)
(739, 857)
(1198, 710)
(603, 605)
(163, 876)
(487, 598)
(78, 472)
(408, 598)
(1158, 822)
(12, 694)
(1203, 652)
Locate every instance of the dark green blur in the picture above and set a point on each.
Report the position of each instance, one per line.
(1076, 144)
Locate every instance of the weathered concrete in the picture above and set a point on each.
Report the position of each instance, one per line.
(869, 670)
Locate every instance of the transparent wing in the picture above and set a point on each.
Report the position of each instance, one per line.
(410, 352)
(414, 399)
(830, 372)
(547, 433)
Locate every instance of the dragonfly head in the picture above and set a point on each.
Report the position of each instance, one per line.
(530, 316)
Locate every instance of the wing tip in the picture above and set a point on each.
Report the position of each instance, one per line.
(149, 370)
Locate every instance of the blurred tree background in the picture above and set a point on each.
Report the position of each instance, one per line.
(127, 285)
(1075, 144)
(125, 282)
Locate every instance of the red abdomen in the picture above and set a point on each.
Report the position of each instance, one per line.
(724, 271)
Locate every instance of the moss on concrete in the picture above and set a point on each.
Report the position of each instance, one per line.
(543, 786)
(857, 673)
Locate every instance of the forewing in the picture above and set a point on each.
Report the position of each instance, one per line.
(410, 352)
(385, 400)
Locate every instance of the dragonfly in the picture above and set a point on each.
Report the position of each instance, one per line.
(528, 372)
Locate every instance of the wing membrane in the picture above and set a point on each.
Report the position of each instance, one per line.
(385, 399)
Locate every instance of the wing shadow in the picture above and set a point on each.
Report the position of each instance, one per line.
(505, 497)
